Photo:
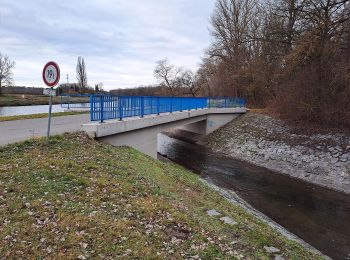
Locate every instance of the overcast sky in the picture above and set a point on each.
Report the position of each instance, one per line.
(120, 39)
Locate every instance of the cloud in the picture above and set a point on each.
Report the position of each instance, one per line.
(120, 40)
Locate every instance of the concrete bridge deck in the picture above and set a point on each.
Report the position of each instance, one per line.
(142, 119)
(141, 133)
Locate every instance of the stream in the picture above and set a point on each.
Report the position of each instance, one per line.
(319, 216)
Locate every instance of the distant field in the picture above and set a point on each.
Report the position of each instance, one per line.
(28, 100)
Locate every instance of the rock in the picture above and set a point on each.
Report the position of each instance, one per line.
(343, 174)
(213, 212)
(344, 157)
(228, 220)
(271, 249)
(279, 257)
(338, 164)
(334, 160)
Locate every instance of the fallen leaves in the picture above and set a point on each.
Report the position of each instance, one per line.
(82, 199)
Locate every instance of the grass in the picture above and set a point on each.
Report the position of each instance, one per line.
(81, 199)
(43, 115)
(29, 100)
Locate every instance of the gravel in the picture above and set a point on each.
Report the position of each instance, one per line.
(322, 159)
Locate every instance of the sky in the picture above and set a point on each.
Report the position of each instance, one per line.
(120, 40)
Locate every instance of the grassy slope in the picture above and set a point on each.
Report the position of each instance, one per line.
(29, 100)
(20, 117)
(80, 198)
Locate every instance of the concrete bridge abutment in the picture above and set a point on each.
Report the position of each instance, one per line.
(141, 133)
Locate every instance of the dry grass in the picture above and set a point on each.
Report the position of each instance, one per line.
(43, 115)
(81, 199)
(29, 100)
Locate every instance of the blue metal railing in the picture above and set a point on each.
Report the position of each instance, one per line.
(225, 102)
(66, 101)
(105, 107)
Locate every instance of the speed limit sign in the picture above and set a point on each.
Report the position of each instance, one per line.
(51, 77)
(51, 74)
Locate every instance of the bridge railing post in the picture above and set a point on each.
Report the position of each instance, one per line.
(158, 104)
(142, 106)
(92, 110)
(120, 108)
(149, 104)
(101, 108)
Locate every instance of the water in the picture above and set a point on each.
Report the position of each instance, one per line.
(38, 109)
(319, 216)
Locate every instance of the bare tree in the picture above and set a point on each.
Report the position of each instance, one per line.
(291, 55)
(168, 75)
(81, 73)
(177, 79)
(6, 75)
(205, 76)
(188, 81)
(233, 28)
(99, 87)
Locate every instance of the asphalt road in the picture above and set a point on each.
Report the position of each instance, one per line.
(20, 130)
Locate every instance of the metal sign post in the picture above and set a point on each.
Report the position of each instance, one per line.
(49, 123)
(51, 77)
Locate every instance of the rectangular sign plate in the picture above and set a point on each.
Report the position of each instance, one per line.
(49, 92)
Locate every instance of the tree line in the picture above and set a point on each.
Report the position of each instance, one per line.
(291, 56)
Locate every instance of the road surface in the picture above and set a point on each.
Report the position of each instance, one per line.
(20, 130)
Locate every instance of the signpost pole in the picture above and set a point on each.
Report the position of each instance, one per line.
(49, 122)
(51, 77)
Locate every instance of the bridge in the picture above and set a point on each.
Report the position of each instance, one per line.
(136, 121)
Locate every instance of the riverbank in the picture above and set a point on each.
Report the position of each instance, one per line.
(31, 100)
(43, 115)
(80, 199)
(319, 158)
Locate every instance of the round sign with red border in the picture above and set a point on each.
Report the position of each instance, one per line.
(51, 74)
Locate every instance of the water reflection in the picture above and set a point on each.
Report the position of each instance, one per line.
(29, 110)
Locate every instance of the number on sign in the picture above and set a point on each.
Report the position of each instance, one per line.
(50, 74)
